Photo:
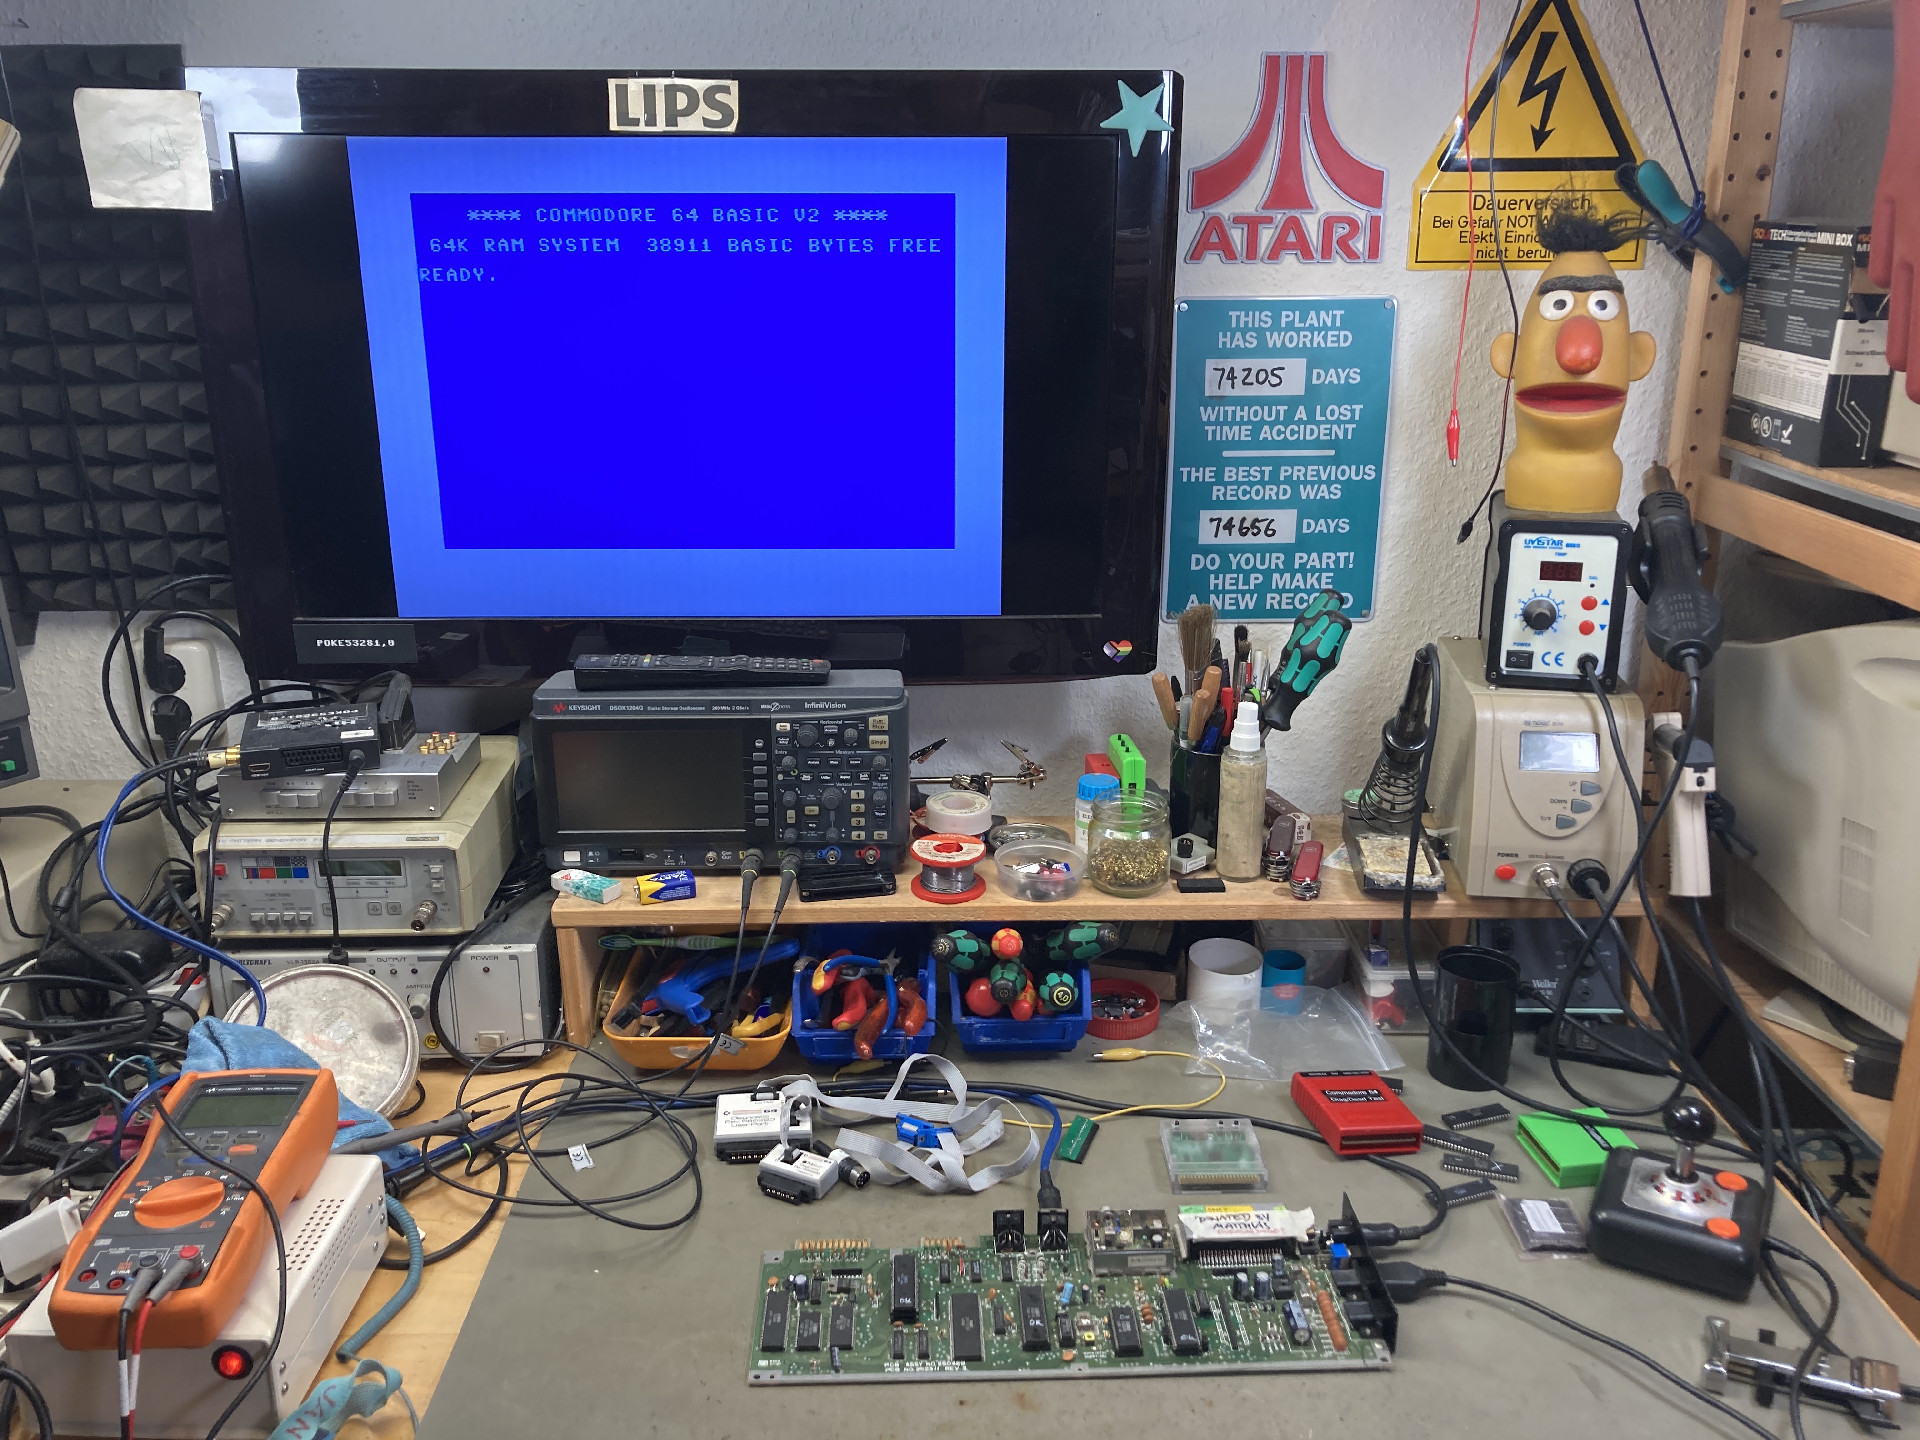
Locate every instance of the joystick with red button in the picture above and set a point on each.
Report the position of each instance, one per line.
(1671, 1219)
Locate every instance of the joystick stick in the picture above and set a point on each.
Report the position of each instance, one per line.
(1673, 1219)
(1691, 1125)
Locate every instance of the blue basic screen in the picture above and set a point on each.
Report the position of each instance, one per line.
(689, 376)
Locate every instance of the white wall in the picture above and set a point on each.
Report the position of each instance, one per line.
(1395, 85)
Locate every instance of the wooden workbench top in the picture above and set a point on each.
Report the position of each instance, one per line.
(718, 903)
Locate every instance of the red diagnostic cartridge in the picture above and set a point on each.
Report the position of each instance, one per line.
(1355, 1112)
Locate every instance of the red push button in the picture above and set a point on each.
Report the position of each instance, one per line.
(1723, 1227)
(1586, 627)
(1589, 602)
(189, 1252)
(1504, 872)
(220, 872)
(1729, 1181)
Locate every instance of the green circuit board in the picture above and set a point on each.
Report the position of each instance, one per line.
(836, 1311)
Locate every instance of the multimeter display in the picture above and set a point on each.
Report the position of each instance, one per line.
(232, 1110)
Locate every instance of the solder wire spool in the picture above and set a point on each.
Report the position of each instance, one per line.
(946, 868)
(959, 812)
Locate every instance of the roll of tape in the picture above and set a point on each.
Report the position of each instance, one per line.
(959, 812)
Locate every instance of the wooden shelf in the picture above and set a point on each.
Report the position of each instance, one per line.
(1758, 980)
(1891, 489)
(717, 905)
(1876, 561)
(1860, 14)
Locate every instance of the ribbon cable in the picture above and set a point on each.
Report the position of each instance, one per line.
(968, 1130)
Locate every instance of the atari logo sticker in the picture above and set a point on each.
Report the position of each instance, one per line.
(1290, 120)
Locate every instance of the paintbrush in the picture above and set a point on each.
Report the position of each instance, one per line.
(1242, 650)
(1196, 643)
(1163, 692)
(1204, 700)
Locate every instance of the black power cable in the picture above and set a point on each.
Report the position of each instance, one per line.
(265, 1362)
(356, 762)
(1586, 1332)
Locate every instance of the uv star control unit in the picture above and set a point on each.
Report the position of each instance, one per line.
(687, 779)
(1524, 778)
(416, 782)
(335, 1233)
(501, 990)
(1555, 591)
(431, 878)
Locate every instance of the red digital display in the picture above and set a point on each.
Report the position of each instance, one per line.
(1561, 569)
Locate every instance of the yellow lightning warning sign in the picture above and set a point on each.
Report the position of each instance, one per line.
(1544, 118)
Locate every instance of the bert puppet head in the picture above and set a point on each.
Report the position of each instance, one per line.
(1570, 366)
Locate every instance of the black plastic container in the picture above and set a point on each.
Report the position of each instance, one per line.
(1473, 1007)
(1193, 792)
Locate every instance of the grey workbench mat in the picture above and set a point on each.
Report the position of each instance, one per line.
(583, 1329)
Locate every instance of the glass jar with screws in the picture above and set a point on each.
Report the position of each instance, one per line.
(1128, 843)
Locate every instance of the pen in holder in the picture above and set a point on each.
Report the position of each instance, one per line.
(1193, 790)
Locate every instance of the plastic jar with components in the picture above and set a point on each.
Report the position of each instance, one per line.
(1091, 789)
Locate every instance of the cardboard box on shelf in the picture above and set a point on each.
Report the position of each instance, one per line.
(1811, 380)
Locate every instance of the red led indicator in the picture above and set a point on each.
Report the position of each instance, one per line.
(232, 1363)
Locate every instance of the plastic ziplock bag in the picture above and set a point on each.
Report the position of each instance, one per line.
(1326, 1032)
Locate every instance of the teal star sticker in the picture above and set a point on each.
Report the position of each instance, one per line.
(1137, 115)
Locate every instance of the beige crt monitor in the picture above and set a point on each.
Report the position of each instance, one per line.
(1527, 777)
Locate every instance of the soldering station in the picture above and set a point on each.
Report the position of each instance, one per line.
(604, 826)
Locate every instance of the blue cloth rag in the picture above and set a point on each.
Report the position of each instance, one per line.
(220, 1045)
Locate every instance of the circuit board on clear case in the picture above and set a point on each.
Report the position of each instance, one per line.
(836, 1311)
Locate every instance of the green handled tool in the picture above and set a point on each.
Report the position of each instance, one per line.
(961, 949)
(1059, 991)
(1312, 651)
(1678, 226)
(1006, 980)
(1083, 940)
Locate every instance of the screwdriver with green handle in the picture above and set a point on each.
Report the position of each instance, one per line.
(1083, 940)
(961, 949)
(1312, 651)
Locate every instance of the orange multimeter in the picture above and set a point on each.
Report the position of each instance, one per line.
(276, 1126)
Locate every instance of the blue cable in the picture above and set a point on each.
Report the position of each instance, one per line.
(1699, 196)
(126, 1115)
(133, 912)
(416, 1262)
(1053, 1141)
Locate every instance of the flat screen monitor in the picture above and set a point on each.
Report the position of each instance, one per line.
(879, 376)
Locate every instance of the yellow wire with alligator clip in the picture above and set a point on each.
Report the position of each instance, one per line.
(1128, 1052)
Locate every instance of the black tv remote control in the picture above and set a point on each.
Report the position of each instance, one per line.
(678, 672)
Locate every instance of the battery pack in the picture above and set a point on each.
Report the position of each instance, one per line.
(1356, 1113)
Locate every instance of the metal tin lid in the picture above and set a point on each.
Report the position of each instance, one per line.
(349, 1023)
(1018, 832)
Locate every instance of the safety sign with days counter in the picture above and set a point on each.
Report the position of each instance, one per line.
(1279, 445)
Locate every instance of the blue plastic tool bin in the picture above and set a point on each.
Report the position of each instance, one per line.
(1002, 1034)
(818, 1040)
